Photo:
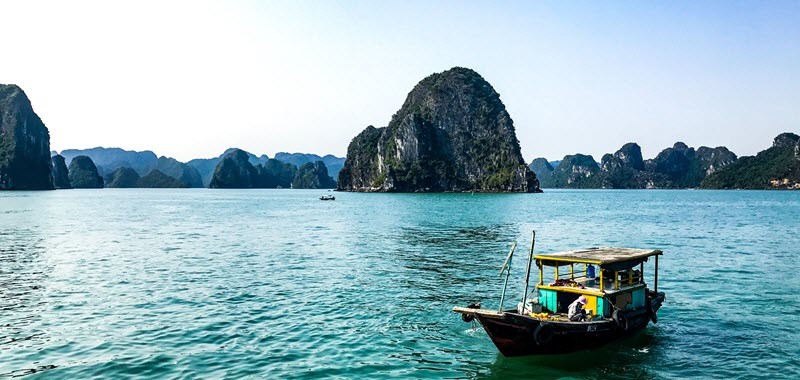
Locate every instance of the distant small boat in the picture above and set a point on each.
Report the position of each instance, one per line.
(327, 198)
(616, 304)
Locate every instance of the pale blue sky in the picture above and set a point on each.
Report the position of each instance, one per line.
(188, 79)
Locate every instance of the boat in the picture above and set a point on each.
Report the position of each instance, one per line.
(617, 301)
(327, 198)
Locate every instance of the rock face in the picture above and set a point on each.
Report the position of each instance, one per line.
(313, 176)
(452, 134)
(180, 171)
(25, 162)
(276, 174)
(576, 171)
(123, 178)
(207, 166)
(624, 169)
(83, 174)
(683, 167)
(775, 168)
(541, 168)
(333, 163)
(60, 173)
(157, 179)
(236, 171)
(677, 167)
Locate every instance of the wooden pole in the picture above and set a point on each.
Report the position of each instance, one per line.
(541, 273)
(655, 282)
(601, 278)
(528, 271)
(641, 273)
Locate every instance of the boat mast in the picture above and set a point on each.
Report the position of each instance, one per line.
(528, 271)
(507, 267)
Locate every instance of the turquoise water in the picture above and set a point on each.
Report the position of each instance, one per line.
(274, 283)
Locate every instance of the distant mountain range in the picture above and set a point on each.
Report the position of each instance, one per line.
(677, 167)
(195, 173)
(333, 163)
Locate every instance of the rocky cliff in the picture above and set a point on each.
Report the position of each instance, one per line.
(236, 171)
(25, 162)
(332, 163)
(541, 167)
(452, 134)
(124, 177)
(206, 166)
(577, 171)
(83, 174)
(677, 167)
(187, 174)
(624, 169)
(313, 176)
(777, 167)
(157, 179)
(60, 173)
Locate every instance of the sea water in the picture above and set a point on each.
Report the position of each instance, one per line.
(202, 283)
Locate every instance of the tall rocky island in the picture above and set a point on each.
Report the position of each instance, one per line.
(83, 174)
(452, 134)
(60, 173)
(25, 162)
(777, 167)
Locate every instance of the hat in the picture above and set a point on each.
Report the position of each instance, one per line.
(582, 300)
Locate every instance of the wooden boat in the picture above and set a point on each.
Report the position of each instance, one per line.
(618, 302)
(327, 198)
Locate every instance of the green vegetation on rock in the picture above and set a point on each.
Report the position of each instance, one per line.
(775, 168)
(313, 176)
(187, 174)
(157, 179)
(123, 177)
(332, 163)
(60, 173)
(235, 171)
(25, 162)
(83, 174)
(452, 134)
(674, 168)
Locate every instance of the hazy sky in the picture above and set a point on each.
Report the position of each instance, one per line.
(190, 79)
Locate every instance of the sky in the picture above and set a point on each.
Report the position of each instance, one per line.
(188, 79)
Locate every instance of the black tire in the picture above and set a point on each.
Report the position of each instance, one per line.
(543, 334)
(467, 317)
(620, 319)
(651, 313)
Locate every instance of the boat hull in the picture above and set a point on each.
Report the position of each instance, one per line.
(519, 335)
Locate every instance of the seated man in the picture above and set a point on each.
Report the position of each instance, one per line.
(575, 311)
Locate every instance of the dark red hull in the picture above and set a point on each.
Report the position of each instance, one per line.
(519, 335)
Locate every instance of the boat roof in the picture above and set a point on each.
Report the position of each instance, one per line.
(597, 255)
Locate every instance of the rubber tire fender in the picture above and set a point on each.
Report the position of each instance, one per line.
(651, 312)
(620, 319)
(470, 317)
(543, 334)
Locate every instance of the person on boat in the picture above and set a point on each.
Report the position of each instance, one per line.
(575, 311)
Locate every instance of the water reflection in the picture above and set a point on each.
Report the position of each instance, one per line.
(23, 274)
(628, 359)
